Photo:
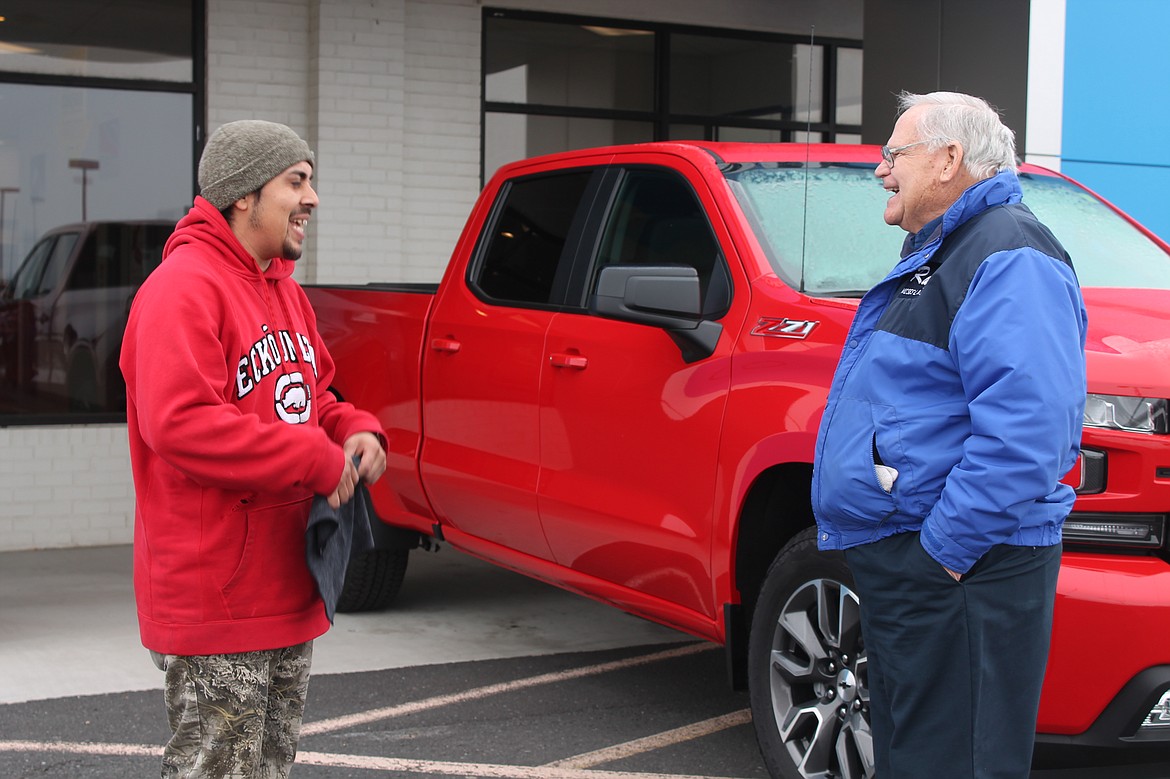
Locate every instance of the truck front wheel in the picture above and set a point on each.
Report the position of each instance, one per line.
(807, 668)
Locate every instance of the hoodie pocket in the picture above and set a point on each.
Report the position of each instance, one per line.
(857, 478)
(272, 577)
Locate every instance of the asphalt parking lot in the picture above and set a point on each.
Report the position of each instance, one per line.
(618, 713)
(473, 675)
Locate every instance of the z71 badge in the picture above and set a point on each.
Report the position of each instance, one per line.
(783, 327)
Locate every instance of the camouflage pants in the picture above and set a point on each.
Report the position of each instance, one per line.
(235, 716)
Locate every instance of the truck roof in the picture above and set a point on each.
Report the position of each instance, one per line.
(724, 152)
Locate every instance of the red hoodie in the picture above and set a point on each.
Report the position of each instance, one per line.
(232, 431)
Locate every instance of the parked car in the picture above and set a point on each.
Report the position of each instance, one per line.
(63, 312)
(616, 388)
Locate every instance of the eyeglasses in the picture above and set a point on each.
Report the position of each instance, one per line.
(889, 153)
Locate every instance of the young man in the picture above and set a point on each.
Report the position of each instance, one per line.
(232, 432)
(955, 410)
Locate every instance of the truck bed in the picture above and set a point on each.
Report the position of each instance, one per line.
(379, 329)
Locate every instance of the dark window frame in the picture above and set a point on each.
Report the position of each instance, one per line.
(660, 117)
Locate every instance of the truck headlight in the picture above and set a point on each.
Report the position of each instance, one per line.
(1121, 412)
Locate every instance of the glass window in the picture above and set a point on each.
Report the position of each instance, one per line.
(657, 220)
(560, 83)
(547, 63)
(57, 265)
(1106, 250)
(93, 181)
(125, 39)
(849, 62)
(26, 283)
(527, 243)
(742, 79)
(119, 254)
(64, 314)
(798, 215)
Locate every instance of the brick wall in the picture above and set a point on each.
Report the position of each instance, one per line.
(387, 93)
(65, 486)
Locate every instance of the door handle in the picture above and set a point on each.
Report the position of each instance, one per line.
(575, 361)
(446, 345)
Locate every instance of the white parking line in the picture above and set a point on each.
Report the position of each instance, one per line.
(82, 748)
(373, 715)
(361, 762)
(478, 770)
(657, 741)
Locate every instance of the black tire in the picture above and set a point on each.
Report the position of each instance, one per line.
(373, 579)
(806, 668)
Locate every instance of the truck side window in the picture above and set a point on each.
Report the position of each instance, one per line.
(24, 284)
(119, 255)
(57, 264)
(657, 220)
(526, 244)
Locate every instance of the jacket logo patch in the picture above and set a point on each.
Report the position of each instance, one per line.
(917, 282)
(783, 327)
(293, 398)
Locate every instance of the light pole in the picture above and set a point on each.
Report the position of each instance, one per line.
(85, 166)
(3, 232)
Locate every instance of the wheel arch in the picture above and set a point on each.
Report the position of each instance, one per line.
(777, 506)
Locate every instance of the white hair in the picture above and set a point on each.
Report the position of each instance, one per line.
(989, 145)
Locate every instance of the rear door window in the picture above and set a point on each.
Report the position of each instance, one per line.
(528, 248)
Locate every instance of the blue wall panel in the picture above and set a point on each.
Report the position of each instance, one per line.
(1117, 104)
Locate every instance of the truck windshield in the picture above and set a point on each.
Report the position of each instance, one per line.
(839, 246)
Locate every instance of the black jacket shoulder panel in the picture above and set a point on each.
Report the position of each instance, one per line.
(928, 299)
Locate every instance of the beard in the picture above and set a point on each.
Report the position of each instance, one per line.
(291, 251)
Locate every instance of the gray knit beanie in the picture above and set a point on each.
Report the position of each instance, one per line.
(240, 157)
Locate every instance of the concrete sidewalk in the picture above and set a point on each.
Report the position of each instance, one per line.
(68, 624)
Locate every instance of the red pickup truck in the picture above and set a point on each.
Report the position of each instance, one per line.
(616, 388)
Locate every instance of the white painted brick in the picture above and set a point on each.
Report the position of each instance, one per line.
(107, 521)
(24, 539)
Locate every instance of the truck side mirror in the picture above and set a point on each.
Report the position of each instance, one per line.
(666, 296)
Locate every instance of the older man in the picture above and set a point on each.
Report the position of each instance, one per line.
(954, 412)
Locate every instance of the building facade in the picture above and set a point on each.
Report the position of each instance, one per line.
(409, 104)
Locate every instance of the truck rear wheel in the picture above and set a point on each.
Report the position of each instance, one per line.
(373, 580)
(807, 668)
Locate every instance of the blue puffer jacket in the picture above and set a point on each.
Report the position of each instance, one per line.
(964, 372)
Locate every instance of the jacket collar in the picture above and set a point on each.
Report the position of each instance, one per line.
(1000, 189)
(205, 225)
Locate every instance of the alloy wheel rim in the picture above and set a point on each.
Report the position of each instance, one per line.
(820, 699)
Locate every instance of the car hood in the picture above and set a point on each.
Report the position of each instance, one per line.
(1128, 348)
